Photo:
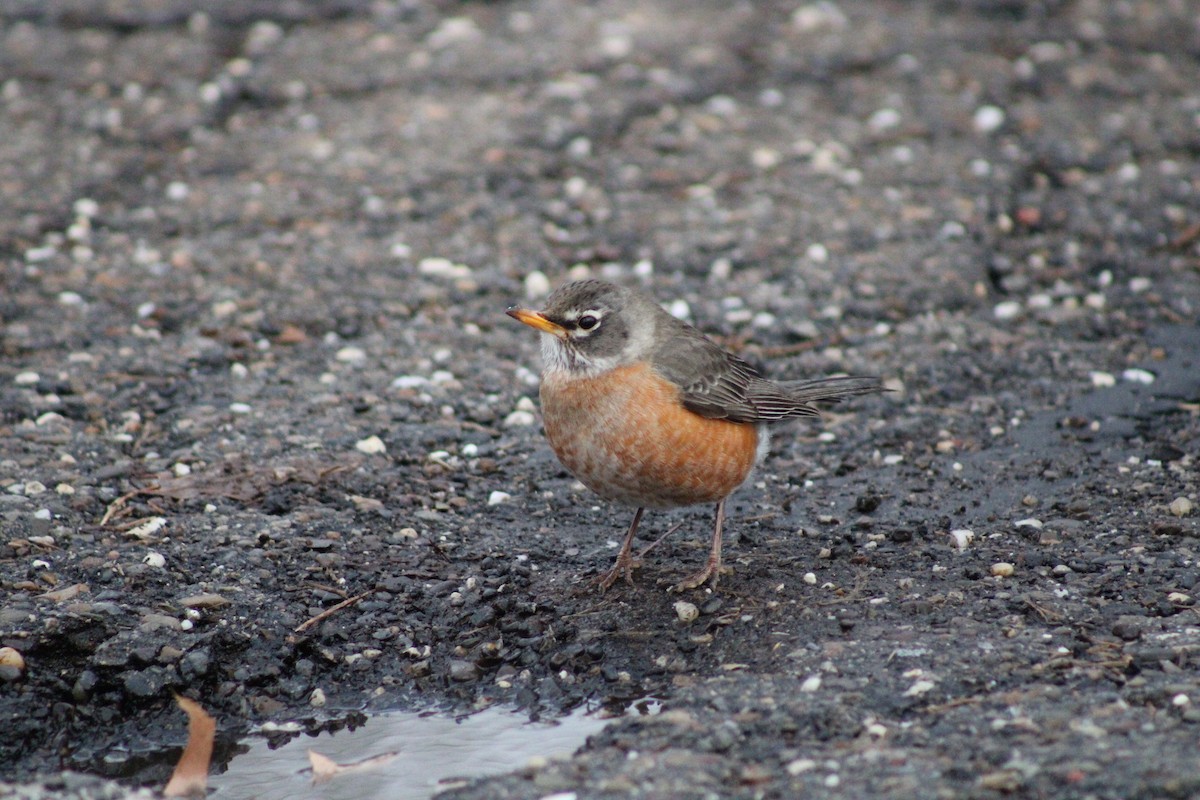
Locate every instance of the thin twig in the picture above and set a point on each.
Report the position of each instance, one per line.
(329, 612)
(118, 505)
(658, 541)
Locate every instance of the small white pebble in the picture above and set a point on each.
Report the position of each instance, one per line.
(819, 16)
(1139, 285)
(86, 207)
(1041, 300)
(1181, 506)
(238, 370)
(409, 382)
(680, 309)
(70, 298)
(988, 119)
(810, 578)
(1102, 380)
(884, 119)
(919, 688)
(962, 537)
(239, 408)
(317, 698)
(687, 612)
(372, 445)
(154, 559)
(1009, 309)
(519, 419)
(469, 450)
(180, 469)
(1129, 173)
(1002, 569)
(34, 487)
(579, 148)
(525, 404)
(498, 497)
(1029, 522)
(536, 285)
(64, 489)
(1139, 376)
(453, 30)
(765, 158)
(26, 378)
(224, 309)
(443, 268)
(893, 459)
(811, 683)
(817, 253)
(43, 513)
(800, 766)
(1180, 700)
(351, 355)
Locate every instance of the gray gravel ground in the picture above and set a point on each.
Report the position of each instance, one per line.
(255, 363)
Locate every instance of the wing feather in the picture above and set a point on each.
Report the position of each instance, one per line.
(718, 385)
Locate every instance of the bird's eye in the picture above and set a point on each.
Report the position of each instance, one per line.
(588, 321)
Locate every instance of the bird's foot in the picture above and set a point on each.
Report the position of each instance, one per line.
(710, 572)
(623, 568)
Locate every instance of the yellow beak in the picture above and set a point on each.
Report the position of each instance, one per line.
(535, 319)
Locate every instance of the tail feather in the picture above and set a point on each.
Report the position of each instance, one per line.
(832, 390)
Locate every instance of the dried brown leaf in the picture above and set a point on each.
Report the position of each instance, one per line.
(206, 600)
(190, 778)
(325, 768)
(66, 593)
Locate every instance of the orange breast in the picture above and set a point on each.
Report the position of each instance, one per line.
(625, 435)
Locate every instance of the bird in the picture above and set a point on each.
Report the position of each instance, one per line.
(648, 412)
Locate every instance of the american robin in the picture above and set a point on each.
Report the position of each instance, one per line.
(647, 411)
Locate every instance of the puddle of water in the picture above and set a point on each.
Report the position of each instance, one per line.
(429, 749)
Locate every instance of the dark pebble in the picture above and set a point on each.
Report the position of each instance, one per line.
(145, 683)
(867, 503)
(483, 616)
(1127, 629)
(84, 685)
(463, 671)
(194, 664)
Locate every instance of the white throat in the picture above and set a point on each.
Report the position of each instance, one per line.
(558, 356)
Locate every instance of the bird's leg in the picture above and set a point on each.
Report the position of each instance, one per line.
(624, 564)
(712, 567)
